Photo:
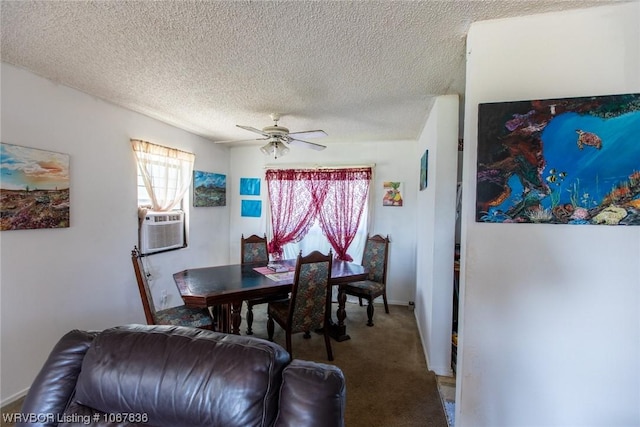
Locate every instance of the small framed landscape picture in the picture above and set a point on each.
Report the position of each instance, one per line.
(209, 189)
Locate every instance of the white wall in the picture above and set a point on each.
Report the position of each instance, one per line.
(550, 319)
(81, 277)
(55, 280)
(436, 233)
(395, 161)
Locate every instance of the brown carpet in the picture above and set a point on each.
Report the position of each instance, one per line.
(388, 384)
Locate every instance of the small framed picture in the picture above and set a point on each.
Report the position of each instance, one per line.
(209, 189)
(249, 186)
(251, 208)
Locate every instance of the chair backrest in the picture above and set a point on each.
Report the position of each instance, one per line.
(310, 294)
(143, 286)
(253, 249)
(375, 256)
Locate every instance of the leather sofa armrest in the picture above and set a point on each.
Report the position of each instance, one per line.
(312, 395)
(55, 384)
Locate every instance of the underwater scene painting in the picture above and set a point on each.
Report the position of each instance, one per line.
(560, 161)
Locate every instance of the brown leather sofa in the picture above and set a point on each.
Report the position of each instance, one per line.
(174, 376)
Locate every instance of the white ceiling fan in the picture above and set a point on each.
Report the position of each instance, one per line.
(278, 137)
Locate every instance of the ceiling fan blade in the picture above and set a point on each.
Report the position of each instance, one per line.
(308, 134)
(229, 141)
(250, 129)
(306, 144)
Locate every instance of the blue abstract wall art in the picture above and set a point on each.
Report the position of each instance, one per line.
(251, 208)
(249, 186)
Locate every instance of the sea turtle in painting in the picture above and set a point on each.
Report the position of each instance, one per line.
(588, 138)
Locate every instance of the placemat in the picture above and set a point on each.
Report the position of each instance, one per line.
(276, 277)
(280, 277)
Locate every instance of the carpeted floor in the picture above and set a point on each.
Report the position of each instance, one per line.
(388, 384)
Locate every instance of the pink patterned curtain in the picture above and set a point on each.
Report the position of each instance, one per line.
(335, 196)
(295, 201)
(342, 208)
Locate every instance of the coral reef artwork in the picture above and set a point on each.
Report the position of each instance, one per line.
(560, 161)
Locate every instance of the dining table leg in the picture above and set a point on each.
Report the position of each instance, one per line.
(236, 318)
(338, 331)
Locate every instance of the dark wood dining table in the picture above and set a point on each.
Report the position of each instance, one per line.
(230, 285)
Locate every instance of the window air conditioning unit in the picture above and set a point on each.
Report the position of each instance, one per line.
(161, 231)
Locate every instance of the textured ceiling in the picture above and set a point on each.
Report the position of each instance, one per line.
(360, 70)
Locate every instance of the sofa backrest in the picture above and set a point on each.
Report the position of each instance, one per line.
(54, 385)
(176, 376)
(182, 376)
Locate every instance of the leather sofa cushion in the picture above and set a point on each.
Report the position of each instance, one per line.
(312, 395)
(182, 376)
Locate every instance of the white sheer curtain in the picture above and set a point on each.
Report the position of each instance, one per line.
(166, 173)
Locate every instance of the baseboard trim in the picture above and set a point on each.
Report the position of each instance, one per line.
(14, 398)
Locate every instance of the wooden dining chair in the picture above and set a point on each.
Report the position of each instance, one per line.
(176, 316)
(309, 307)
(374, 258)
(253, 249)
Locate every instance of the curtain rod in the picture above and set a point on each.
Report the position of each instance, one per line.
(316, 166)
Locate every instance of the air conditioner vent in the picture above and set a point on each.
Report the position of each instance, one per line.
(161, 231)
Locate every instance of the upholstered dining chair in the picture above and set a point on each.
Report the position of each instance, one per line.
(176, 316)
(374, 258)
(253, 249)
(309, 306)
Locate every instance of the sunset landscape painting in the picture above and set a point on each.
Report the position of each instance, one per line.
(34, 188)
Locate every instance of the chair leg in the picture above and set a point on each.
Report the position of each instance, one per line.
(214, 318)
(270, 327)
(327, 343)
(217, 313)
(250, 318)
(307, 335)
(289, 344)
(370, 312)
(360, 301)
(384, 298)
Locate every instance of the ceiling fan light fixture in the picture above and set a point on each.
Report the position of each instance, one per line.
(280, 150)
(268, 149)
(275, 148)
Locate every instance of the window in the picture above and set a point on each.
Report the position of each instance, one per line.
(316, 240)
(164, 176)
(316, 209)
(165, 173)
